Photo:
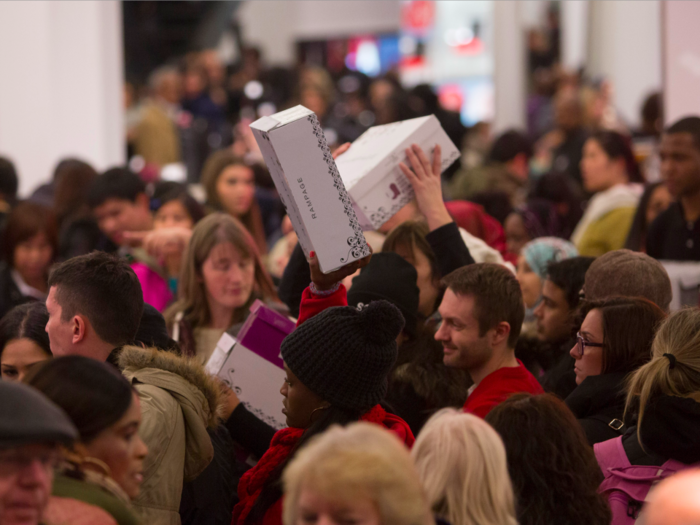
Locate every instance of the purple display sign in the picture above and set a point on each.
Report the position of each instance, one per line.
(264, 331)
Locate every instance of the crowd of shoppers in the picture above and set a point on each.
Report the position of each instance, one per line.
(506, 355)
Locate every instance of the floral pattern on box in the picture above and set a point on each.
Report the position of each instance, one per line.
(357, 243)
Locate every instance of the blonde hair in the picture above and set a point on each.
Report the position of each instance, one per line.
(211, 231)
(360, 460)
(462, 464)
(677, 375)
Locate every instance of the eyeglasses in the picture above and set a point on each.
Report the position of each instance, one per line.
(581, 344)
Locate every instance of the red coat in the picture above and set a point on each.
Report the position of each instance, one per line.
(315, 304)
(283, 443)
(498, 386)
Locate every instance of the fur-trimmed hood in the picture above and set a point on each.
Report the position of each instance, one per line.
(179, 404)
(147, 365)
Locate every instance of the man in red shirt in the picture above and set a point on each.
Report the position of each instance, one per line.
(482, 313)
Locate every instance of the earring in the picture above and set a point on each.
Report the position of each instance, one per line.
(106, 471)
(311, 417)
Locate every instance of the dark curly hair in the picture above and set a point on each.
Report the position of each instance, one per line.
(554, 471)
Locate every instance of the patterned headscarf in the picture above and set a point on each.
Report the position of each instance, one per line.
(545, 250)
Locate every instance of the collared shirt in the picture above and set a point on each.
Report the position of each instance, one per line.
(25, 289)
(672, 238)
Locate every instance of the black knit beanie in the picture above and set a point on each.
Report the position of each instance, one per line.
(388, 276)
(344, 355)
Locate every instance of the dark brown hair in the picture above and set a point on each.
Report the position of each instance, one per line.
(554, 471)
(94, 395)
(104, 289)
(497, 296)
(617, 146)
(629, 328)
(24, 222)
(410, 235)
(212, 170)
(73, 181)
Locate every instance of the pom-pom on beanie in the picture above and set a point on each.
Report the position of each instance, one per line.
(344, 354)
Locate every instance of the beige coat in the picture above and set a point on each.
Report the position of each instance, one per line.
(179, 401)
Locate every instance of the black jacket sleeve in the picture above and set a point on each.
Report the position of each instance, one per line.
(295, 279)
(449, 248)
(250, 432)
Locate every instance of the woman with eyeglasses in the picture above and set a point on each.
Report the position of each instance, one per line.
(614, 340)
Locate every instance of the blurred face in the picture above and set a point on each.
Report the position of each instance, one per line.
(26, 476)
(428, 284)
(516, 234)
(33, 257)
(170, 88)
(599, 171)
(60, 332)
(554, 317)
(680, 164)
(530, 283)
(228, 277)
(299, 402)
(172, 214)
(591, 364)
(315, 509)
(193, 84)
(659, 201)
(123, 450)
(235, 188)
(116, 216)
(313, 100)
(18, 356)
(567, 114)
(463, 346)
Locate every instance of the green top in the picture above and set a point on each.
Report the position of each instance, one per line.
(607, 233)
(65, 487)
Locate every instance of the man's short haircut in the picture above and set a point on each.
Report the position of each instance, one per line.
(104, 289)
(569, 275)
(509, 145)
(628, 274)
(115, 183)
(497, 296)
(8, 179)
(686, 125)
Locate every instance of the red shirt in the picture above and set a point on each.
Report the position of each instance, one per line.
(498, 386)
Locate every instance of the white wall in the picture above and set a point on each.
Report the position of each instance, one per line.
(681, 60)
(509, 61)
(275, 26)
(61, 86)
(625, 47)
(574, 33)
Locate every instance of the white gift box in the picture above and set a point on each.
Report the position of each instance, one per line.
(255, 379)
(308, 182)
(370, 168)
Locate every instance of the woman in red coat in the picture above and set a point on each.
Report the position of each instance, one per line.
(337, 364)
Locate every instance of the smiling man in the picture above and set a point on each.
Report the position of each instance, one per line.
(675, 234)
(482, 313)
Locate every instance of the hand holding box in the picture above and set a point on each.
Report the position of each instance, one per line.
(311, 189)
(370, 168)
